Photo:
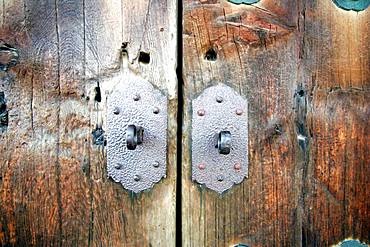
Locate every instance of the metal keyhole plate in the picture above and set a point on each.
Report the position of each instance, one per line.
(219, 109)
(134, 101)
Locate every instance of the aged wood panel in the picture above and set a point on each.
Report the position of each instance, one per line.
(30, 167)
(336, 77)
(303, 66)
(54, 188)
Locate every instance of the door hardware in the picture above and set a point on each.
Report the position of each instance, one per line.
(136, 134)
(355, 5)
(224, 142)
(220, 119)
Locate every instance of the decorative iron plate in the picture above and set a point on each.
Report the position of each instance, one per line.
(137, 102)
(219, 108)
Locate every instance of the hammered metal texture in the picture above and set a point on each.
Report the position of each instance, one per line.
(219, 108)
(138, 169)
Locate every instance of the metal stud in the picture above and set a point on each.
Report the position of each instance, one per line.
(118, 166)
(156, 110)
(136, 97)
(137, 178)
(116, 110)
(220, 178)
(156, 164)
(201, 112)
(237, 166)
(202, 166)
(219, 99)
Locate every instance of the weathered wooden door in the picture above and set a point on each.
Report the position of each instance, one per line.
(54, 189)
(303, 67)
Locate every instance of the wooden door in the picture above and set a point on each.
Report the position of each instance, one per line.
(302, 65)
(54, 189)
(304, 68)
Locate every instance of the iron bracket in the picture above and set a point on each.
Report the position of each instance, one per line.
(136, 134)
(219, 138)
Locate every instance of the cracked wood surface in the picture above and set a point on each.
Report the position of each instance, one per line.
(304, 67)
(54, 189)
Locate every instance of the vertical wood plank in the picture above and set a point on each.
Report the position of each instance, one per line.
(122, 218)
(74, 125)
(103, 39)
(30, 158)
(306, 83)
(336, 79)
(257, 55)
(53, 181)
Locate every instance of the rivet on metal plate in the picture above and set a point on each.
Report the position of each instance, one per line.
(136, 134)
(219, 138)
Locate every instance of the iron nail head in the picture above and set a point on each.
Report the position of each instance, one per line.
(116, 110)
(202, 166)
(156, 164)
(201, 112)
(237, 166)
(156, 110)
(136, 97)
(219, 99)
(239, 112)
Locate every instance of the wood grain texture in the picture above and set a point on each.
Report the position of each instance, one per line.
(337, 79)
(303, 66)
(54, 189)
